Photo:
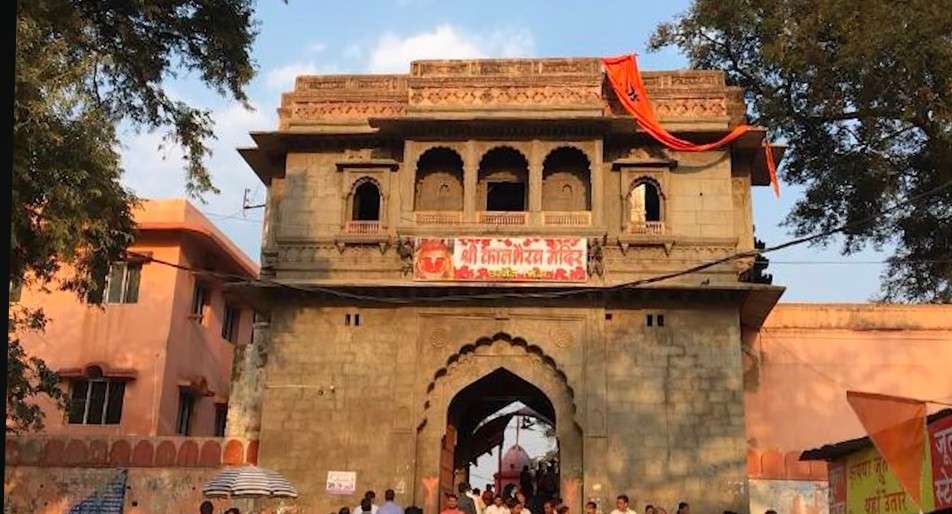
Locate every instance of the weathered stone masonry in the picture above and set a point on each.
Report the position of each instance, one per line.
(654, 411)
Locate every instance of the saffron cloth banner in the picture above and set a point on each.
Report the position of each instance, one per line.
(501, 259)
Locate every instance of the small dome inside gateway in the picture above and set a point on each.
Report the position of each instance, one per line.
(513, 461)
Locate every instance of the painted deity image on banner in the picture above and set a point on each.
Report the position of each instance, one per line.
(433, 259)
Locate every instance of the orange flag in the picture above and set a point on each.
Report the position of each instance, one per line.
(897, 426)
(625, 79)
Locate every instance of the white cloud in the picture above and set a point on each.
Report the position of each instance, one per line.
(283, 77)
(316, 48)
(154, 173)
(393, 53)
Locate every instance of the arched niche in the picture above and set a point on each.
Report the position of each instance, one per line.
(566, 180)
(439, 180)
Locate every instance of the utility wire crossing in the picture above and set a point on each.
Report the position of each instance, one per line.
(565, 293)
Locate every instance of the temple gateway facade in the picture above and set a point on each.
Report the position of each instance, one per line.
(442, 243)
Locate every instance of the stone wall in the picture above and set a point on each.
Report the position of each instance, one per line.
(675, 428)
(52, 474)
(653, 412)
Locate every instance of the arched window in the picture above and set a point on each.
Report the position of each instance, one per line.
(366, 202)
(645, 204)
(439, 181)
(566, 181)
(504, 180)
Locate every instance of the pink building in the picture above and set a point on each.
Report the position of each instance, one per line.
(156, 357)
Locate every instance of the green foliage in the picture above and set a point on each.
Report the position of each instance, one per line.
(28, 376)
(862, 94)
(83, 67)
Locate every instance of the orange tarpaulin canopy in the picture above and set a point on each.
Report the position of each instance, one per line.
(626, 81)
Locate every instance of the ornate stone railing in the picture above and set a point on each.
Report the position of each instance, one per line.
(438, 217)
(362, 227)
(502, 218)
(567, 218)
(650, 228)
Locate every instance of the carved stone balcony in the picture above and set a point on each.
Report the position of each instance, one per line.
(567, 218)
(648, 228)
(502, 218)
(362, 227)
(438, 217)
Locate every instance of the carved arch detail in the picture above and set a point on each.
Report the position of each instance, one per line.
(645, 179)
(455, 362)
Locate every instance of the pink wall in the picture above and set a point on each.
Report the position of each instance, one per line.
(804, 359)
(155, 336)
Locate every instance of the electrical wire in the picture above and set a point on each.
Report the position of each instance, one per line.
(775, 341)
(564, 293)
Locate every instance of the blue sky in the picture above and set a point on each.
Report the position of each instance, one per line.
(303, 37)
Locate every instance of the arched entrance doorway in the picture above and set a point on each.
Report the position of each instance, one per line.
(474, 383)
(477, 421)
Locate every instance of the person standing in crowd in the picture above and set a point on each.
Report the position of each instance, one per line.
(478, 500)
(451, 505)
(464, 502)
(498, 507)
(389, 504)
(366, 507)
(525, 482)
(684, 508)
(591, 508)
(621, 505)
(516, 507)
(344, 510)
(487, 499)
(371, 496)
(651, 509)
(563, 509)
(524, 501)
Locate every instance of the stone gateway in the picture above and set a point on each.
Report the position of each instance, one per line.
(440, 244)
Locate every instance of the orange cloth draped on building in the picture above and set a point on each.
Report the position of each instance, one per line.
(897, 426)
(625, 79)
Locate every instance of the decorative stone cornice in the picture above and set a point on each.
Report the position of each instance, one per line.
(560, 86)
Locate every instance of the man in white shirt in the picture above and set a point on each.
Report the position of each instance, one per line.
(477, 500)
(621, 505)
(497, 507)
(369, 495)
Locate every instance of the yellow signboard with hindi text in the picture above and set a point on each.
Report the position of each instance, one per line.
(871, 488)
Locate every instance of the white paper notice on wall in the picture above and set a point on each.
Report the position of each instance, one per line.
(341, 482)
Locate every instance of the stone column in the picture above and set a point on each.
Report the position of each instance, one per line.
(470, 176)
(247, 385)
(535, 183)
(595, 441)
(407, 181)
(598, 187)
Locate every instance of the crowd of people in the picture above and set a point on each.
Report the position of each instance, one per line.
(513, 500)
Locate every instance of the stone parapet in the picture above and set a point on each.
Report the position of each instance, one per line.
(774, 464)
(554, 87)
(97, 451)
